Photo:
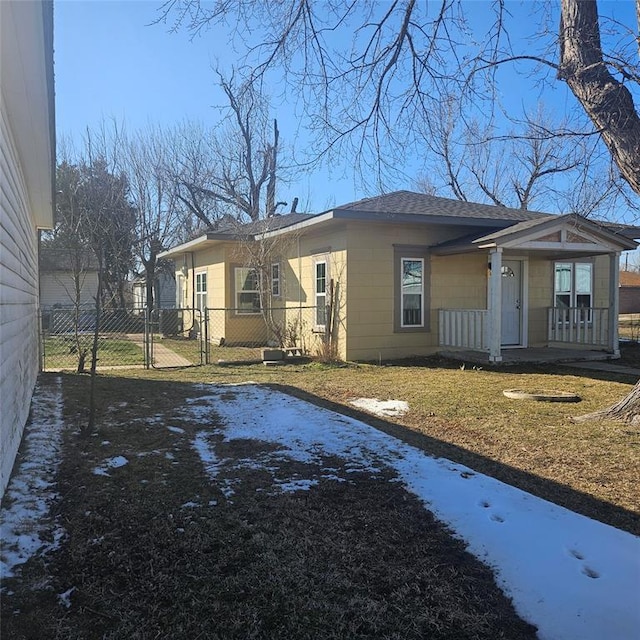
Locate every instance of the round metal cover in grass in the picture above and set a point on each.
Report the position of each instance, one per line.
(542, 395)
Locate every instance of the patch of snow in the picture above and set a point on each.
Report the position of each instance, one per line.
(571, 576)
(31, 489)
(65, 598)
(207, 454)
(116, 462)
(296, 485)
(384, 408)
(110, 463)
(176, 430)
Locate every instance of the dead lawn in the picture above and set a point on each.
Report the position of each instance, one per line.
(156, 549)
(461, 414)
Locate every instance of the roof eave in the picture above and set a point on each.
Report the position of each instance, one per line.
(193, 245)
(595, 228)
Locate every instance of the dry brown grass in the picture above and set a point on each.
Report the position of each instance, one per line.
(461, 413)
(629, 326)
(157, 550)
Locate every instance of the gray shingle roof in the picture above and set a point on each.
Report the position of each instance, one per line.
(520, 226)
(408, 202)
(233, 228)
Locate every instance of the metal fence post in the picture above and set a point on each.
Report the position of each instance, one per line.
(205, 336)
(147, 338)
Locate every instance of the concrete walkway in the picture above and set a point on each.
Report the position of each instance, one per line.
(163, 357)
(608, 367)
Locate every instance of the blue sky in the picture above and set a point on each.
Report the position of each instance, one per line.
(111, 62)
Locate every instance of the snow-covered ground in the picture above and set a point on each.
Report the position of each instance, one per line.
(23, 522)
(572, 577)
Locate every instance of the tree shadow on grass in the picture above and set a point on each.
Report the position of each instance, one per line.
(159, 548)
(550, 490)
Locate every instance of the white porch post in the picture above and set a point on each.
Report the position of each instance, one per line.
(614, 303)
(495, 305)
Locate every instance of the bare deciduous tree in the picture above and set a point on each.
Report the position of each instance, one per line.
(153, 195)
(232, 169)
(372, 69)
(473, 162)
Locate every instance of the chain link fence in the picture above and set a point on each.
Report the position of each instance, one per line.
(233, 335)
(172, 337)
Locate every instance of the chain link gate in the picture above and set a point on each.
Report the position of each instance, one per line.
(175, 338)
(131, 337)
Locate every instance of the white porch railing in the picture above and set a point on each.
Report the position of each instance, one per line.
(465, 328)
(579, 325)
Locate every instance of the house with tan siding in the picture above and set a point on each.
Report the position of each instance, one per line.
(408, 274)
(27, 174)
(629, 292)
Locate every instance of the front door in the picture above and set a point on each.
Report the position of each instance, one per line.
(511, 302)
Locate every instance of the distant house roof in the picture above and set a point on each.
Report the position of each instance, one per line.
(54, 259)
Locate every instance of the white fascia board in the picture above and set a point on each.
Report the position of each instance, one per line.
(310, 222)
(187, 247)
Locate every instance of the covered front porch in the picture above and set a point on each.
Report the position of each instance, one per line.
(552, 294)
(528, 355)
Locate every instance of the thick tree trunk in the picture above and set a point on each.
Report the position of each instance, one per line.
(627, 410)
(607, 102)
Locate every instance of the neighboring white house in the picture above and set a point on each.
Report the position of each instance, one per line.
(67, 280)
(27, 175)
(164, 291)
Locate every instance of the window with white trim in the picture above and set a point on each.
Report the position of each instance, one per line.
(201, 290)
(320, 292)
(412, 295)
(573, 289)
(246, 291)
(275, 279)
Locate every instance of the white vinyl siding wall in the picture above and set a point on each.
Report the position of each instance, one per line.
(19, 360)
(58, 288)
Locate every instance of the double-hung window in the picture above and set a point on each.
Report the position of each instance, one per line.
(275, 279)
(320, 292)
(412, 296)
(573, 289)
(201, 291)
(247, 291)
(411, 303)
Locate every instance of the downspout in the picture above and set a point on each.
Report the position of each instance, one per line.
(299, 276)
(193, 281)
(614, 303)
